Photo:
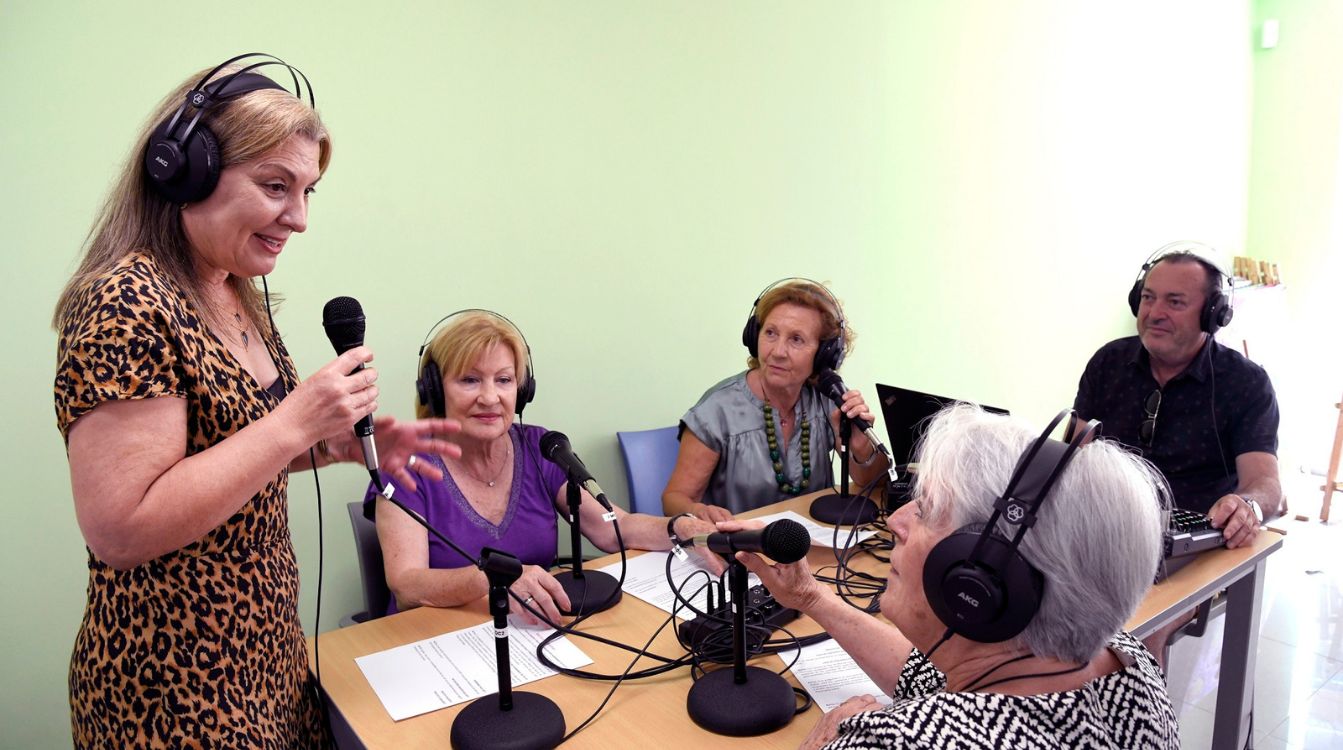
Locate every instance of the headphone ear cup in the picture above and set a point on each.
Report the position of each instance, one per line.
(1135, 294)
(1216, 314)
(429, 387)
(526, 392)
(829, 355)
(750, 334)
(975, 598)
(183, 172)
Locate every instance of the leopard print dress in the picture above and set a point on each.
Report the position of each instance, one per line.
(201, 647)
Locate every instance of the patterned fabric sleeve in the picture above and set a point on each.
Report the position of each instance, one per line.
(919, 678)
(117, 344)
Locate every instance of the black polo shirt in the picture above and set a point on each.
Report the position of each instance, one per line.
(1221, 399)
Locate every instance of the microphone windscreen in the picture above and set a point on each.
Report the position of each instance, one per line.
(831, 384)
(343, 319)
(551, 441)
(785, 541)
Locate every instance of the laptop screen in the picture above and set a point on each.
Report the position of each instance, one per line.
(906, 415)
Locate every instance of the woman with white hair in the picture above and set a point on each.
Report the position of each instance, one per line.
(1056, 670)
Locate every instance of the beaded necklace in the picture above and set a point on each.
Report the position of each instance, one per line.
(777, 457)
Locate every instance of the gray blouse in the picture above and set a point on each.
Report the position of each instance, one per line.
(730, 420)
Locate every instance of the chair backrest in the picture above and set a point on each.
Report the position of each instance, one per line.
(376, 594)
(650, 456)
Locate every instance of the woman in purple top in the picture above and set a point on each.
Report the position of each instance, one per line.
(500, 493)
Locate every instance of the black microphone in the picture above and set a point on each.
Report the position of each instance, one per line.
(556, 449)
(832, 386)
(783, 541)
(343, 319)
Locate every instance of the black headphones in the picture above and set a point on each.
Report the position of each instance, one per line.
(976, 580)
(429, 386)
(830, 353)
(1217, 311)
(182, 158)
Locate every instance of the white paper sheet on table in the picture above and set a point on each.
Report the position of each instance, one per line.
(646, 578)
(459, 666)
(831, 675)
(821, 536)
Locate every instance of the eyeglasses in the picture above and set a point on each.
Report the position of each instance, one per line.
(1149, 409)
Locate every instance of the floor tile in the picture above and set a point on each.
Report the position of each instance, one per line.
(1195, 727)
(1319, 722)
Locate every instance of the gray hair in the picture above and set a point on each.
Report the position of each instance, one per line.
(1097, 538)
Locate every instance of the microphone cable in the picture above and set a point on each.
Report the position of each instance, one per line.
(321, 539)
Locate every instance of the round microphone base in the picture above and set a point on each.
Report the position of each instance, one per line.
(534, 723)
(762, 704)
(843, 510)
(594, 592)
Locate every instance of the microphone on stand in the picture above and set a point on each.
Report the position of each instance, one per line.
(556, 449)
(592, 590)
(832, 386)
(784, 541)
(343, 319)
(841, 508)
(521, 720)
(746, 701)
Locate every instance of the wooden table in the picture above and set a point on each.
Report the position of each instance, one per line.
(654, 709)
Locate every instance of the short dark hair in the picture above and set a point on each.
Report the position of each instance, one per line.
(1212, 274)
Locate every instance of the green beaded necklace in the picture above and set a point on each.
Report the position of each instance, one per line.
(777, 457)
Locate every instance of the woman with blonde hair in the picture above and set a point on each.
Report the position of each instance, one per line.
(183, 417)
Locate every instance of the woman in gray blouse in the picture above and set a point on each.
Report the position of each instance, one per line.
(765, 434)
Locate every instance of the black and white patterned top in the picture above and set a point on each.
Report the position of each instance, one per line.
(1126, 709)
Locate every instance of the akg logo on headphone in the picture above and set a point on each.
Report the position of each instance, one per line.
(197, 99)
(973, 601)
(162, 161)
(1015, 512)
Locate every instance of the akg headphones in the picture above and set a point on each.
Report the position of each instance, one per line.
(1217, 311)
(182, 158)
(429, 386)
(830, 353)
(976, 580)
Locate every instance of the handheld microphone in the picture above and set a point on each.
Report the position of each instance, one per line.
(556, 449)
(783, 541)
(343, 319)
(832, 386)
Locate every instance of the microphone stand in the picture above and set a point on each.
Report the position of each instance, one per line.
(744, 701)
(843, 509)
(519, 721)
(516, 720)
(588, 591)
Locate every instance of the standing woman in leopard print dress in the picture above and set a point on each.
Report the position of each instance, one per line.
(183, 417)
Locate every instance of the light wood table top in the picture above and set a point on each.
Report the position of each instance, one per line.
(646, 709)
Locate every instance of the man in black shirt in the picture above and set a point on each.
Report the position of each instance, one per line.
(1203, 414)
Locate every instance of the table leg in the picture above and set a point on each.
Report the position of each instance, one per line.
(1240, 641)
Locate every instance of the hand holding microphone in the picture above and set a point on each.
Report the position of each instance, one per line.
(832, 386)
(343, 319)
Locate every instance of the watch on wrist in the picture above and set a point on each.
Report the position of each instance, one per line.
(1254, 508)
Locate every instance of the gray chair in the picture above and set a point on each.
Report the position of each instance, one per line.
(650, 456)
(376, 594)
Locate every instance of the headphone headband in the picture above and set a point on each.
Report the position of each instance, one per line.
(184, 166)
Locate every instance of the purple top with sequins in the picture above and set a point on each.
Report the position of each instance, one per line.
(528, 528)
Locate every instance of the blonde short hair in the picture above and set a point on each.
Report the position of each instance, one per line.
(464, 339)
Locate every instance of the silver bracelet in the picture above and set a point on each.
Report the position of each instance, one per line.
(869, 460)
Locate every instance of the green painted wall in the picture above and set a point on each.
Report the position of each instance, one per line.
(979, 181)
(1296, 213)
